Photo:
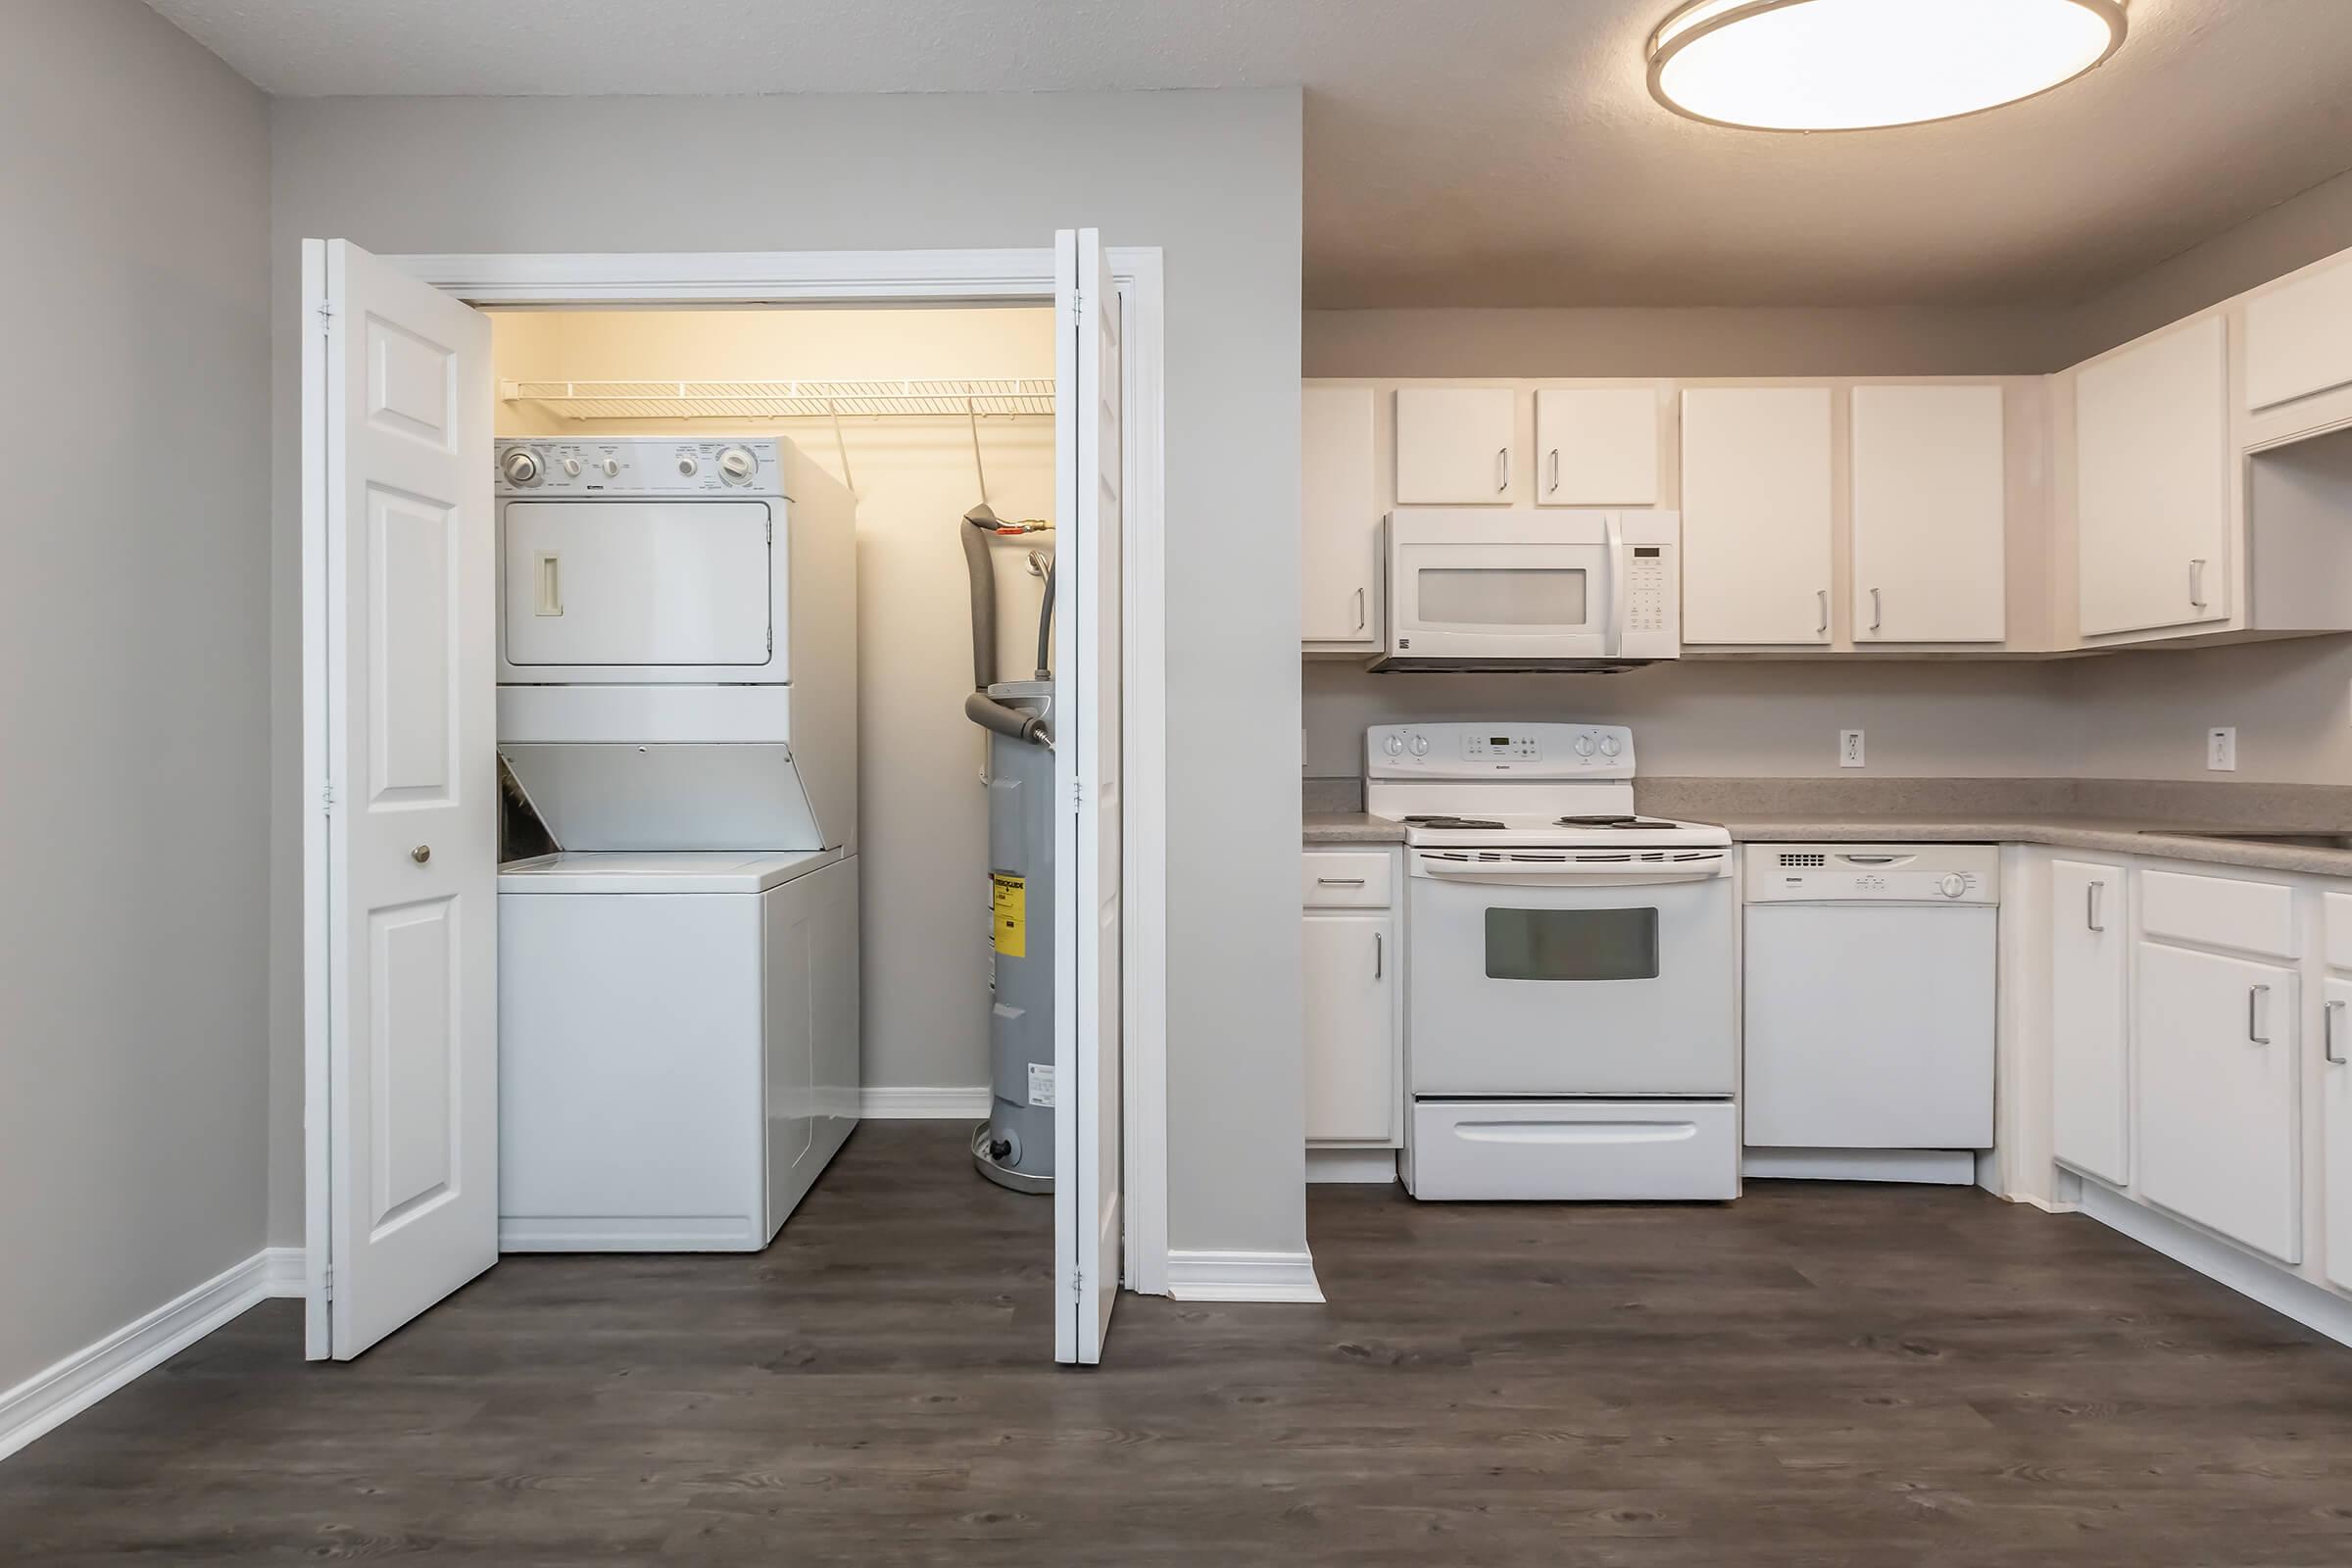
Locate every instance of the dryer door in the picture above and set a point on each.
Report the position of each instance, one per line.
(644, 584)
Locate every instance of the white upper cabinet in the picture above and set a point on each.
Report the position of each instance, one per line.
(2089, 1039)
(1339, 544)
(1453, 446)
(1757, 515)
(2299, 337)
(1929, 511)
(1597, 446)
(2152, 465)
(2218, 1069)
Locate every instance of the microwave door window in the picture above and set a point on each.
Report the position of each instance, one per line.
(1500, 597)
(1572, 945)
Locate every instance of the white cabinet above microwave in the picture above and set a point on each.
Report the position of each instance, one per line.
(1522, 590)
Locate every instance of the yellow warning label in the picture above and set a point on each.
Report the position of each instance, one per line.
(1011, 904)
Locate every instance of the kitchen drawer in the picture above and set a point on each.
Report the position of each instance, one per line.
(1606, 1149)
(2219, 911)
(2339, 930)
(1345, 879)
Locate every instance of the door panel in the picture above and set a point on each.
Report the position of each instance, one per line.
(2089, 1044)
(1338, 520)
(1453, 446)
(1931, 506)
(1597, 446)
(619, 582)
(1352, 1092)
(1757, 515)
(2218, 1137)
(2335, 1126)
(400, 680)
(2152, 465)
(1089, 453)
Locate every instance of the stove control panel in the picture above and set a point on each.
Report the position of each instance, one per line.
(1487, 750)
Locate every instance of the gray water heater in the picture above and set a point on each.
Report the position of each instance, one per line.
(1014, 1147)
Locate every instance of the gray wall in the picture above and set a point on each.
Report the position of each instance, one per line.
(135, 633)
(1213, 178)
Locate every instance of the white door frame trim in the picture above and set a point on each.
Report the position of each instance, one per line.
(947, 277)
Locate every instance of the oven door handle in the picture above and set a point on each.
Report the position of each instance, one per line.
(1598, 874)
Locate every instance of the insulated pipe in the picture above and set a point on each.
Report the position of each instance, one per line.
(980, 708)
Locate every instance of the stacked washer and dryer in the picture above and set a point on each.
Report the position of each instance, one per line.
(679, 1023)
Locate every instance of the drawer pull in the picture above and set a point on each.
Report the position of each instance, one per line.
(2256, 996)
(2333, 1011)
(1556, 1132)
(1341, 881)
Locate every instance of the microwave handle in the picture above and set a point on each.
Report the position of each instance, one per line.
(1615, 532)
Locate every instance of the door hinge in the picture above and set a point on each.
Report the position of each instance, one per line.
(1077, 1282)
(326, 315)
(326, 1281)
(326, 797)
(1077, 794)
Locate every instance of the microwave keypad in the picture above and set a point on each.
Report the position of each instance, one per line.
(1645, 592)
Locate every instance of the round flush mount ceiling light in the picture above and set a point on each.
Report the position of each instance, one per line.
(1848, 64)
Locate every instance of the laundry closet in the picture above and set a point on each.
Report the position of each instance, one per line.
(748, 890)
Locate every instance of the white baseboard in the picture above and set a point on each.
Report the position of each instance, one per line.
(2318, 1310)
(1367, 1166)
(284, 1273)
(1243, 1277)
(892, 1103)
(50, 1397)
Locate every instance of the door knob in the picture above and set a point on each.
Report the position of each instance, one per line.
(422, 853)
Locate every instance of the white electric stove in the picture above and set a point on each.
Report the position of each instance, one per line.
(1570, 1021)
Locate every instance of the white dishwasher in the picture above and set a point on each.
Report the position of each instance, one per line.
(1869, 1010)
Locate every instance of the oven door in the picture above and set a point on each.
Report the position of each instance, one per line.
(1530, 977)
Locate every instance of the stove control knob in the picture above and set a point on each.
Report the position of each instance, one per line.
(1420, 745)
(521, 466)
(1583, 746)
(1609, 746)
(1952, 885)
(1394, 746)
(738, 465)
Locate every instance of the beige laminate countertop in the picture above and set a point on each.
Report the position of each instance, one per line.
(2100, 835)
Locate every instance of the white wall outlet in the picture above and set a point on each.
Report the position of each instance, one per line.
(2220, 750)
(1850, 748)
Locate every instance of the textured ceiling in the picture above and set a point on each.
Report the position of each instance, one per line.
(1480, 152)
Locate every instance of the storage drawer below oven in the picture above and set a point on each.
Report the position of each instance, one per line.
(1594, 1149)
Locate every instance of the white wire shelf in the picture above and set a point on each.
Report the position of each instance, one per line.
(780, 399)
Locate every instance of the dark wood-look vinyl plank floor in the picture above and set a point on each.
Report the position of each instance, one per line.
(1814, 1375)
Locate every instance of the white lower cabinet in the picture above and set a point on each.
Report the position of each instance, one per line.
(1354, 1081)
(2335, 1126)
(2216, 1105)
(2090, 1044)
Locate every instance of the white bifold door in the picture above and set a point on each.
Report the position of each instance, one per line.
(1087, 1213)
(400, 836)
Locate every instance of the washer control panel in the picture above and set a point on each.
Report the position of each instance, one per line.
(1485, 749)
(640, 465)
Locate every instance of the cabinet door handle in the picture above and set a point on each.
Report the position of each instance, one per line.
(2255, 996)
(1554, 487)
(1878, 614)
(2090, 906)
(1502, 469)
(1341, 881)
(2196, 584)
(2328, 1017)
(1359, 609)
(1380, 954)
(1823, 628)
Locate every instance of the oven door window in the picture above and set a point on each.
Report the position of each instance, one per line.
(1572, 944)
(1489, 596)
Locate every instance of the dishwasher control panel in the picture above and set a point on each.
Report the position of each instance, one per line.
(1873, 873)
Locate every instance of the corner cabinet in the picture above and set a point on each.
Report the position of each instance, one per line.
(2153, 464)
(1340, 606)
(1354, 997)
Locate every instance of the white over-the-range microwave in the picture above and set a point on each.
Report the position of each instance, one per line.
(1479, 590)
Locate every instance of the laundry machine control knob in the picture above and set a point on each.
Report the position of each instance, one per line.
(738, 465)
(1952, 885)
(571, 468)
(522, 467)
(689, 466)
(611, 468)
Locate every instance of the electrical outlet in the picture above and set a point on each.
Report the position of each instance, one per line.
(2220, 750)
(1850, 748)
